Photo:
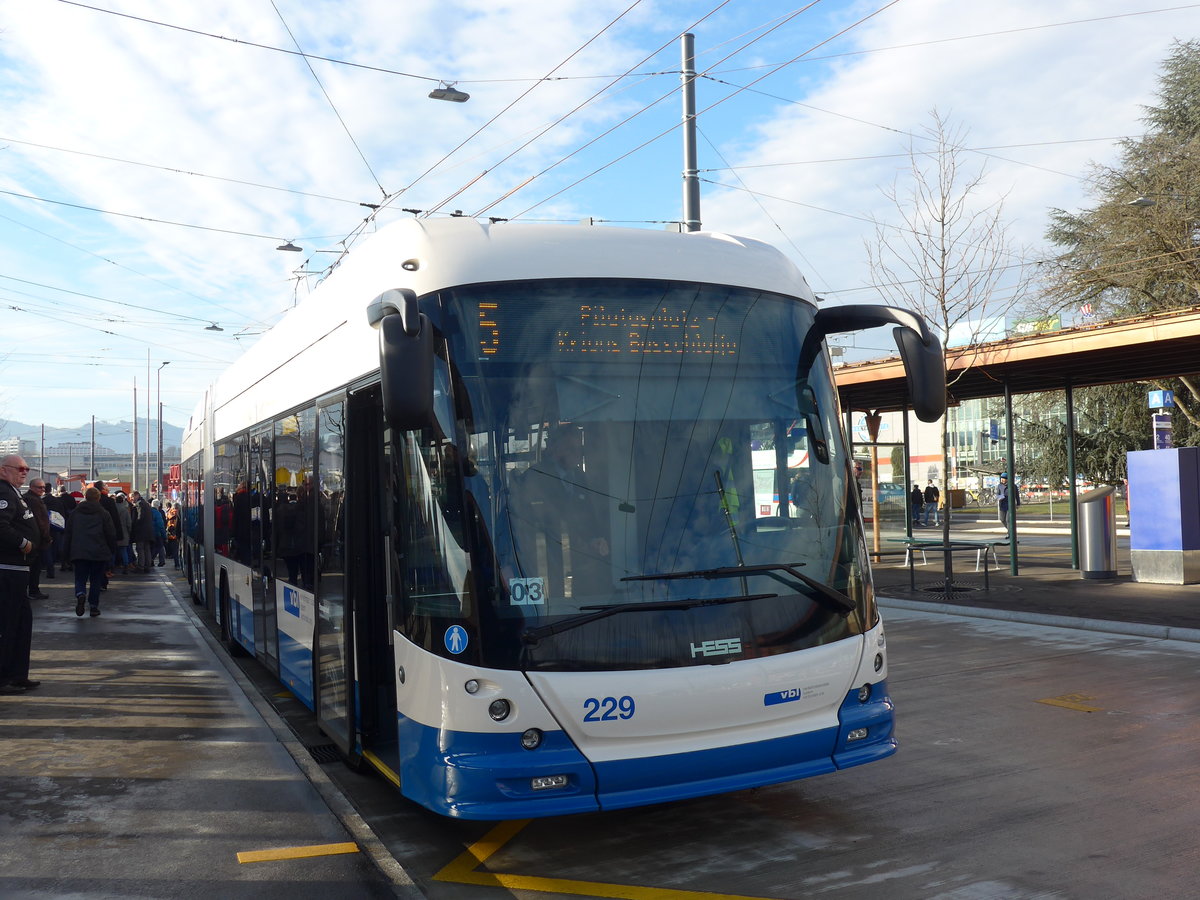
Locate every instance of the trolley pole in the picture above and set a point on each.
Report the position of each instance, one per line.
(691, 179)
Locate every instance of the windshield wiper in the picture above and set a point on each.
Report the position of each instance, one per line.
(831, 598)
(533, 635)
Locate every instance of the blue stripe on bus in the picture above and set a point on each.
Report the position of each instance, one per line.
(487, 776)
(295, 667)
(295, 659)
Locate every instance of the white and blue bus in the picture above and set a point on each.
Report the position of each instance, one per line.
(485, 502)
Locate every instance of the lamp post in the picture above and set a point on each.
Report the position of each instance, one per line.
(158, 389)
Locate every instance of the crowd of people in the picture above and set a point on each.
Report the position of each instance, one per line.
(43, 531)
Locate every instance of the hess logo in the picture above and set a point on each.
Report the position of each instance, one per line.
(722, 647)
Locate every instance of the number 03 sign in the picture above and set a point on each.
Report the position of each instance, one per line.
(527, 591)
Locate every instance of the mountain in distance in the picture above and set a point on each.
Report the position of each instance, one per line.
(118, 436)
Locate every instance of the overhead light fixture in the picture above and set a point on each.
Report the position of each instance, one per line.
(214, 327)
(290, 247)
(448, 92)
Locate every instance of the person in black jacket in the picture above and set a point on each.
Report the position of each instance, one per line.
(110, 506)
(19, 539)
(141, 534)
(90, 543)
(37, 559)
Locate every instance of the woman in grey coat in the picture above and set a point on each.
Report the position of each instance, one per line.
(125, 514)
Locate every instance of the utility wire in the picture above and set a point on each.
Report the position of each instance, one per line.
(123, 266)
(708, 108)
(109, 212)
(490, 121)
(630, 118)
(328, 99)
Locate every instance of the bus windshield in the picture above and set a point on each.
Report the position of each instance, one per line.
(629, 474)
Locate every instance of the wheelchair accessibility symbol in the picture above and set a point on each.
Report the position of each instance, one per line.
(456, 639)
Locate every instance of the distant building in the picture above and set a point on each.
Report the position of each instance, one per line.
(19, 446)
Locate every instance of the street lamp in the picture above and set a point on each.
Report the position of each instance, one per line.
(449, 92)
(158, 388)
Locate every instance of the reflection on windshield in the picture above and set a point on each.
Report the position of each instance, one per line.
(588, 469)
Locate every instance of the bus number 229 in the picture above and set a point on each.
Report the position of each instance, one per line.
(608, 710)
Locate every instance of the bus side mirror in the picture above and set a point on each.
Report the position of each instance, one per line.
(925, 369)
(405, 359)
(920, 349)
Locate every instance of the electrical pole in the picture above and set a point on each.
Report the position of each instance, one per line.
(133, 468)
(691, 179)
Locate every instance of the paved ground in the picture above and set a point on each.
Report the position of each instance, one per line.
(1046, 585)
(144, 766)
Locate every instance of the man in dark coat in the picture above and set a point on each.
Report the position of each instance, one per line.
(19, 537)
(34, 500)
(90, 543)
(142, 532)
(64, 503)
(110, 506)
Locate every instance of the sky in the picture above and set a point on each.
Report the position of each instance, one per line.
(154, 155)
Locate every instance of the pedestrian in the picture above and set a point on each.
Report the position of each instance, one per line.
(1003, 491)
(917, 499)
(142, 534)
(173, 533)
(159, 550)
(91, 541)
(19, 536)
(932, 495)
(124, 536)
(60, 509)
(110, 505)
(33, 499)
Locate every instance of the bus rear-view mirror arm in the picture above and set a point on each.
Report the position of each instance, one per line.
(920, 350)
(405, 358)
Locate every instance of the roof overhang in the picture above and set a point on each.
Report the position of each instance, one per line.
(1135, 349)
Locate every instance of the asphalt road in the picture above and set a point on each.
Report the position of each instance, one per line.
(1035, 762)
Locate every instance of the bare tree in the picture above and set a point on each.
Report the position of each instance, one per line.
(949, 258)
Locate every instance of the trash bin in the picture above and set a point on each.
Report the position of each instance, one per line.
(1098, 533)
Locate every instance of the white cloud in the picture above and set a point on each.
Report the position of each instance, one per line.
(118, 87)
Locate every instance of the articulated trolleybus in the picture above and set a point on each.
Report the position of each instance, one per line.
(485, 501)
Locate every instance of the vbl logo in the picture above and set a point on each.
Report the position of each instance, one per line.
(777, 697)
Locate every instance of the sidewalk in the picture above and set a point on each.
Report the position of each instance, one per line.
(141, 767)
(1046, 590)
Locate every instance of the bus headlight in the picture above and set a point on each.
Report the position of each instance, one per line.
(499, 710)
(471, 687)
(542, 782)
(857, 734)
(878, 662)
(864, 693)
(531, 739)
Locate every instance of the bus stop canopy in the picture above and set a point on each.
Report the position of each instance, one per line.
(1134, 349)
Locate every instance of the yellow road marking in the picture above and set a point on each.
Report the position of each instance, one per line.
(464, 870)
(1073, 701)
(250, 856)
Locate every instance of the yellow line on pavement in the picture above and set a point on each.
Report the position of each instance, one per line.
(1073, 701)
(249, 856)
(464, 871)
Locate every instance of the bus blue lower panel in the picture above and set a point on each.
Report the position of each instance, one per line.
(483, 776)
(242, 627)
(488, 776)
(295, 668)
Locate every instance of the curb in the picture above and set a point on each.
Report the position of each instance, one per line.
(402, 884)
(1134, 629)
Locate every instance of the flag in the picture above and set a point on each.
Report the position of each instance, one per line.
(1086, 310)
